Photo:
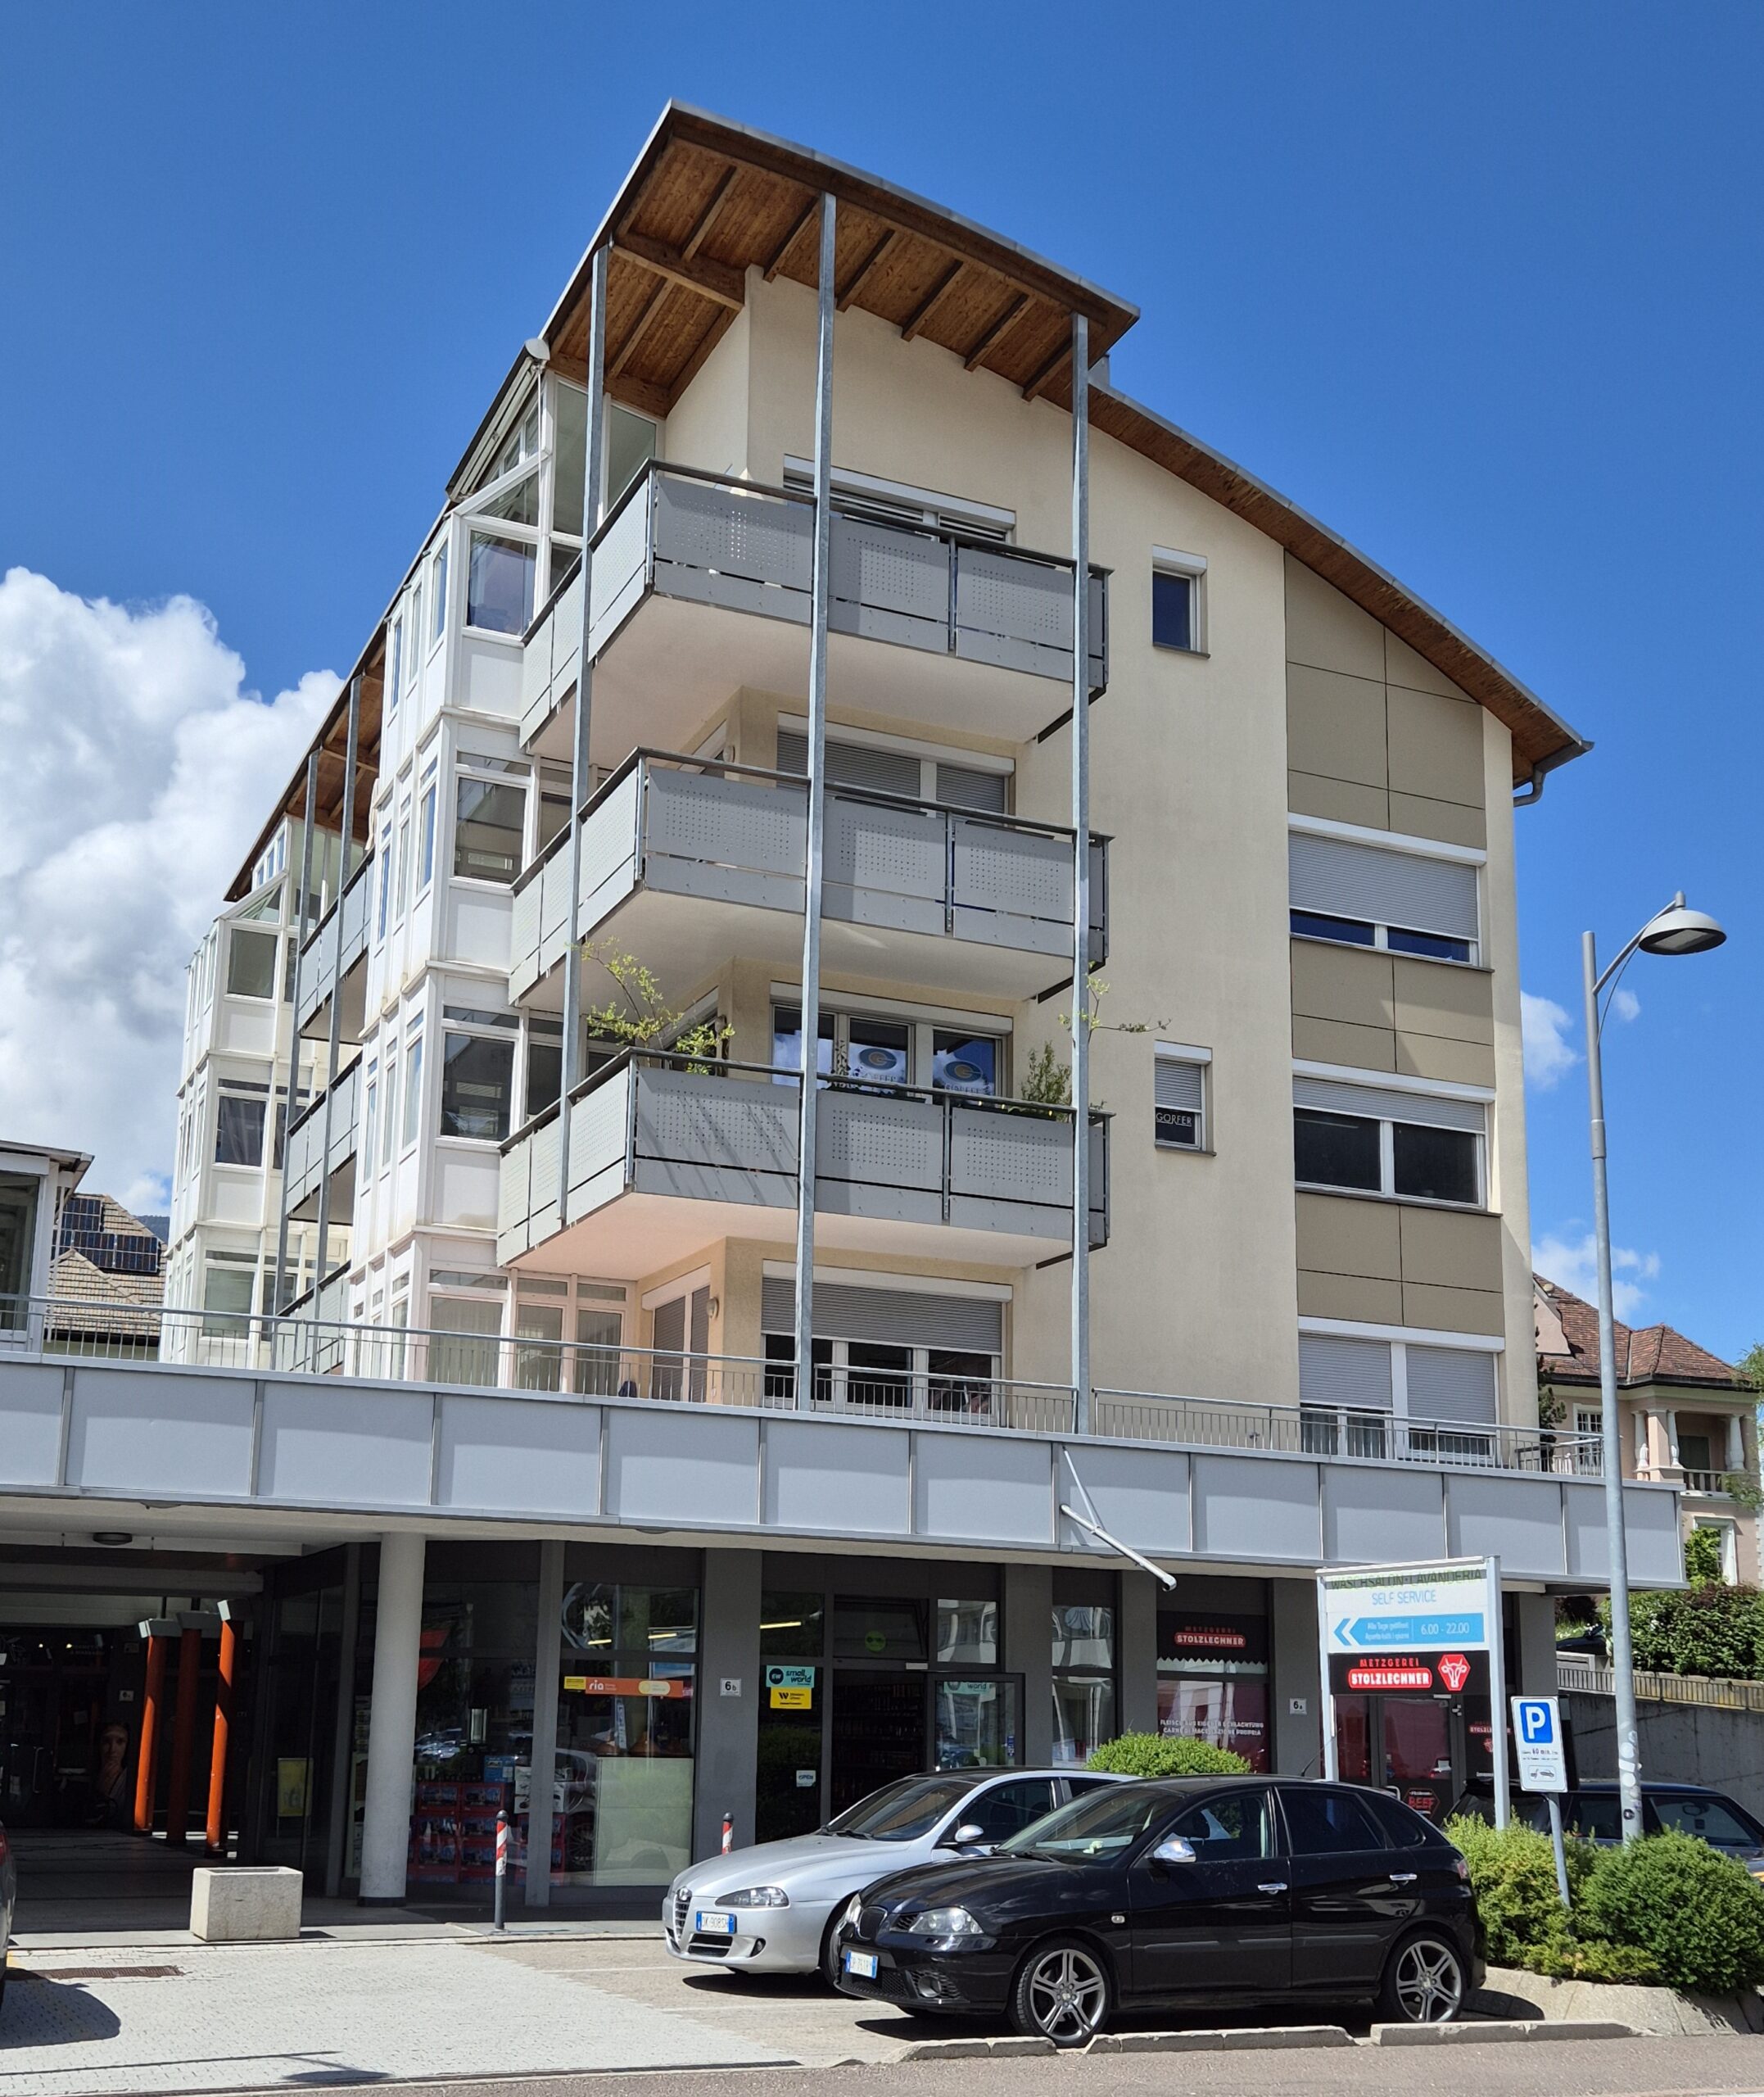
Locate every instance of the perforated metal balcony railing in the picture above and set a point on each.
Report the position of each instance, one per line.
(690, 1130)
(905, 871)
(710, 539)
(322, 967)
(304, 1156)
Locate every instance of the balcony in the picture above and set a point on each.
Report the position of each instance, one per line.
(322, 968)
(668, 1153)
(990, 625)
(911, 890)
(305, 1155)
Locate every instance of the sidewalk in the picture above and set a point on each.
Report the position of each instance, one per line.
(435, 2001)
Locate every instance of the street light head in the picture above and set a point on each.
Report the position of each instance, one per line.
(1680, 930)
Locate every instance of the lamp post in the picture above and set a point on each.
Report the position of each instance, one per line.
(1675, 929)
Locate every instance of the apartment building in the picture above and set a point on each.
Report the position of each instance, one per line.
(816, 645)
(1685, 1415)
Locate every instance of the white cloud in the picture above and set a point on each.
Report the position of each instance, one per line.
(1543, 1028)
(138, 770)
(1626, 1004)
(1573, 1261)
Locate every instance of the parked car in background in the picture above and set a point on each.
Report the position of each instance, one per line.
(769, 1908)
(1161, 1896)
(1593, 1812)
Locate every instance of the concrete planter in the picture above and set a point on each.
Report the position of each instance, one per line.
(1513, 1994)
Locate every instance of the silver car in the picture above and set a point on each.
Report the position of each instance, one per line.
(769, 1909)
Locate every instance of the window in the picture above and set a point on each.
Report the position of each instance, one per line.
(413, 1091)
(251, 964)
(413, 653)
(426, 831)
(395, 664)
(1226, 1830)
(873, 1050)
(404, 864)
(241, 1112)
(438, 594)
(467, 1340)
(1711, 1819)
(898, 502)
(630, 444)
(1324, 1823)
(491, 816)
(1373, 1140)
(544, 1065)
(369, 1112)
(1178, 1111)
(1412, 899)
(229, 1284)
(1365, 1396)
(389, 1109)
(1083, 1679)
(1177, 583)
(1006, 1809)
(888, 765)
(569, 411)
(888, 1350)
(554, 805)
(386, 876)
(477, 1082)
(498, 597)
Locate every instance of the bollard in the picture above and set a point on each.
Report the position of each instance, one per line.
(502, 1863)
(728, 1832)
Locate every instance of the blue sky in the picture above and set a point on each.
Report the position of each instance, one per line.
(1479, 285)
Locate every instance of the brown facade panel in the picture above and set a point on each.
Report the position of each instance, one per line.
(1447, 1248)
(1443, 998)
(1326, 631)
(1336, 1041)
(1335, 725)
(1338, 1235)
(1454, 1310)
(1352, 984)
(1435, 746)
(1338, 800)
(1452, 1062)
(1354, 1297)
(1452, 822)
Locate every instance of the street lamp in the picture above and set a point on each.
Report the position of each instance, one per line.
(1675, 929)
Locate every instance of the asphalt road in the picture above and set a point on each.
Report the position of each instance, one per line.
(1623, 2067)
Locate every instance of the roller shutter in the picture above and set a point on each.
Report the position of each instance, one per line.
(1337, 878)
(1331, 1096)
(893, 1317)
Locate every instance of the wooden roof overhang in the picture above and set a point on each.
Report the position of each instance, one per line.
(331, 743)
(709, 200)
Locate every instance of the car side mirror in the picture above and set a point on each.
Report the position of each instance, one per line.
(969, 1832)
(1174, 1850)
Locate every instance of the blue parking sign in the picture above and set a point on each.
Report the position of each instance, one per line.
(1537, 1737)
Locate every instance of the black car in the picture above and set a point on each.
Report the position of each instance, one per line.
(1593, 1811)
(1213, 1891)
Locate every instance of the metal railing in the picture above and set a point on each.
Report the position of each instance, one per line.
(517, 1362)
(1335, 1431)
(1720, 1692)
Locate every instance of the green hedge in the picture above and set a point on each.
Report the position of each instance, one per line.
(1668, 1909)
(1713, 1629)
(1155, 1754)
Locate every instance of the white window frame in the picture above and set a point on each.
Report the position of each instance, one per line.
(1405, 1431)
(1167, 560)
(1422, 1088)
(1177, 1052)
(428, 819)
(1420, 848)
(439, 607)
(929, 754)
(395, 663)
(921, 1021)
(482, 1025)
(491, 770)
(410, 1104)
(924, 507)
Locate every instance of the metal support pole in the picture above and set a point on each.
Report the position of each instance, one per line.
(1081, 873)
(1617, 1547)
(277, 1296)
(580, 769)
(817, 807)
(225, 1666)
(1555, 1843)
(334, 1043)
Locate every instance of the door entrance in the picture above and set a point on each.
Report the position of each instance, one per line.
(67, 1744)
(1414, 1746)
(879, 1731)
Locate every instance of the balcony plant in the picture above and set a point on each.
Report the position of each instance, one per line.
(640, 1016)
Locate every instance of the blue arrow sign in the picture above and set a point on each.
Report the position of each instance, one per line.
(1384, 1634)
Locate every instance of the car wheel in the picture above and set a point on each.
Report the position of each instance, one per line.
(830, 1946)
(1062, 1993)
(1424, 1983)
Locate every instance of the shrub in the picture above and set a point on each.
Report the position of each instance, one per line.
(1702, 1556)
(1699, 1915)
(1513, 1875)
(1157, 1754)
(1713, 1629)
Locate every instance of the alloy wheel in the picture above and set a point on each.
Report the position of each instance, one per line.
(1428, 1982)
(1068, 1995)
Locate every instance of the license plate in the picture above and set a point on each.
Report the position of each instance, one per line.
(862, 1963)
(710, 1921)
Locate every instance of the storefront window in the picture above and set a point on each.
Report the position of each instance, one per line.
(1083, 1679)
(873, 1628)
(623, 1799)
(791, 1622)
(978, 1723)
(1213, 1682)
(967, 1634)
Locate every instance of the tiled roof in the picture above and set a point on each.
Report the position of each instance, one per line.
(1655, 1354)
(106, 1255)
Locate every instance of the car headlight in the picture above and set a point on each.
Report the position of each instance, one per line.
(756, 1896)
(944, 1922)
(852, 1909)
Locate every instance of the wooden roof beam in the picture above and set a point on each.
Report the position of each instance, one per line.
(867, 268)
(711, 280)
(626, 349)
(804, 222)
(710, 215)
(996, 332)
(927, 307)
(1049, 370)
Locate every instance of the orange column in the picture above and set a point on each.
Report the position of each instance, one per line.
(183, 1737)
(217, 1767)
(149, 1742)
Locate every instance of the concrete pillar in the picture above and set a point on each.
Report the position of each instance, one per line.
(1136, 1654)
(1028, 1652)
(1296, 1677)
(728, 1772)
(392, 1721)
(1534, 1622)
(542, 1791)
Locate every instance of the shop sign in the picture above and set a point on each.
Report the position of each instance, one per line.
(789, 1677)
(1449, 1674)
(292, 1774)
(1194, 1643)
(623, 1685)
(792, 1700)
